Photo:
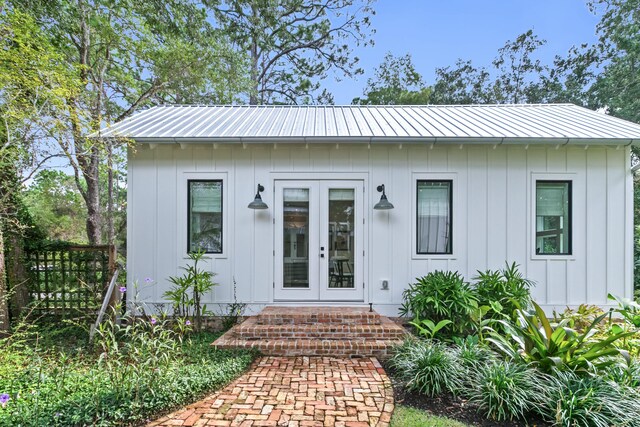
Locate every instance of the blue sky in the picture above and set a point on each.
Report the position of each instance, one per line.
(437, 32)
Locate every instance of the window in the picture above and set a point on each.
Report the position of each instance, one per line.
(205, 216)
(553, 217)
(434, 225)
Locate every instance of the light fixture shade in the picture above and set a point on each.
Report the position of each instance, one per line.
(383, 204)
(257, 201)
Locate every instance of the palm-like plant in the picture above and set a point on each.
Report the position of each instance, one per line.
(535, 340)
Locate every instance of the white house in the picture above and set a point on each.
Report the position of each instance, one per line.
(546, 186)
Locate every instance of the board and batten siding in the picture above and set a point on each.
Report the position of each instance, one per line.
(493, 216)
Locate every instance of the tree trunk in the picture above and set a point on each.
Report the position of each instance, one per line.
(4, 306)
(17, 274)
(90, 165)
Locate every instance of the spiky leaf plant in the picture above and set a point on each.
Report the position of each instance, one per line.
(506, 390)
(427, 366)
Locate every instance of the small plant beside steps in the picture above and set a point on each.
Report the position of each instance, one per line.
(188, 290)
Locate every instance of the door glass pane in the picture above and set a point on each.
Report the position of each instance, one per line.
(296, 238)
(341, 238)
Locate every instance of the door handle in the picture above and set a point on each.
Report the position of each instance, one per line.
(321, 255)
(321, 251)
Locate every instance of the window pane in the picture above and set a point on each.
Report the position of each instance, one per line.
(553, 217)
(205, 216)
(434, 217)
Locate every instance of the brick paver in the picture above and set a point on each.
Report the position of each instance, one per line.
(296, 392)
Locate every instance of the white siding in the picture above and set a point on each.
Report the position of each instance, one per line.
(493, 216)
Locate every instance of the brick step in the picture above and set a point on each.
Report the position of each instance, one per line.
(251, 330)
(282, 315)
(312, 347)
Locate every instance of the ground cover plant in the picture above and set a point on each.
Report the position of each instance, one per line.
(513, 364)
(132, 372)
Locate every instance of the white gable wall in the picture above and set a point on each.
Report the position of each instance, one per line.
(493, 211)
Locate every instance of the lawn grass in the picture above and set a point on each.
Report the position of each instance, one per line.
(54, 377)
(405, 416)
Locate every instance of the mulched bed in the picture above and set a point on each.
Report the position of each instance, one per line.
(449, 406)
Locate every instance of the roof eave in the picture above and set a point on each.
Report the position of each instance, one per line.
(386, 140)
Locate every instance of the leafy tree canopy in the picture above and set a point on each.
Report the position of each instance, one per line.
(395, 82)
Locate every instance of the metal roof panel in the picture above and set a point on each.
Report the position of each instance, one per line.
(380, 123)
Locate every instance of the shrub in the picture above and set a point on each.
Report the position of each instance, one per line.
(535, 340)
(507, 390)
(502, 292)
(442, 296)
(427, 367)
(580, 318)
(585, 401)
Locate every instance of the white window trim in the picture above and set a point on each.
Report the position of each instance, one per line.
(183, 207)
(455, 215)
(550, 176)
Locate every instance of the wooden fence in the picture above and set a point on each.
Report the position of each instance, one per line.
(70, 280)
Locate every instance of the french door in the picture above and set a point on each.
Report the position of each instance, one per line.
(319, 240)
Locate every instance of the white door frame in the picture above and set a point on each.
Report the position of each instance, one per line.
(318, 229)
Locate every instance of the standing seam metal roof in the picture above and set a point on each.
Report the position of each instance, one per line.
(553, 123)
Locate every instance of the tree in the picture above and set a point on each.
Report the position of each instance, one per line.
(617, 87)
(293, 44)
(517, 71)
(513, 79)
(35, 81)
(129, 54)
(462, 84)
(396, 82)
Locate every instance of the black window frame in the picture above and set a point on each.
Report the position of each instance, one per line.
(450, 182)
(189, 181)
(569, 182)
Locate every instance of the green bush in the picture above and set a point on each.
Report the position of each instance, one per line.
(590, 401)
(579, 318)
(506, 390)
(502, 292)
(427, 367)
(442, 296)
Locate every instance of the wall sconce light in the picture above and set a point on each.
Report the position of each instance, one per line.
(383, 204)
(257, 201)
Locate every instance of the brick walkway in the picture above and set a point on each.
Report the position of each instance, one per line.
(296, 392)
